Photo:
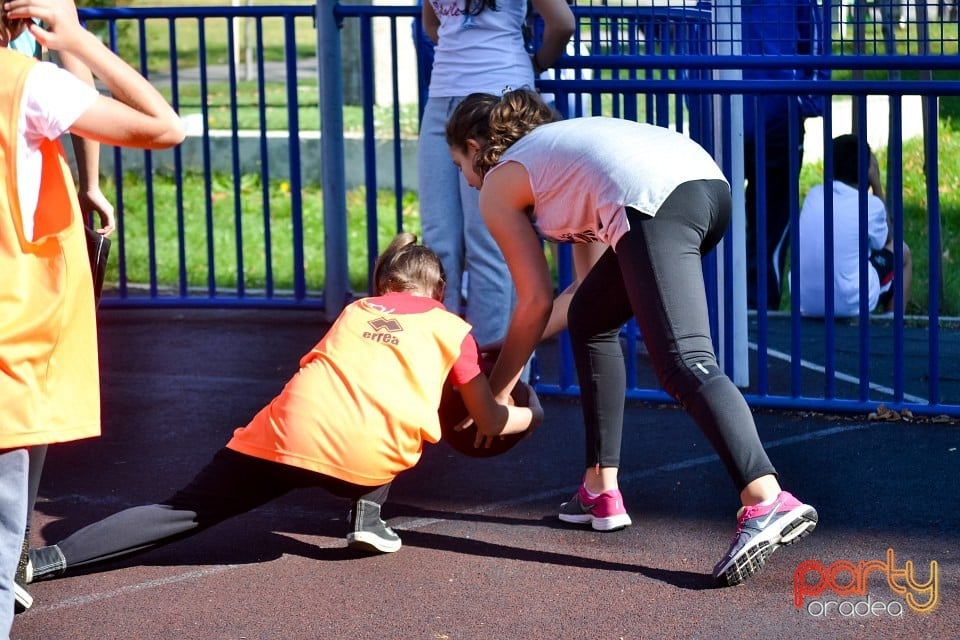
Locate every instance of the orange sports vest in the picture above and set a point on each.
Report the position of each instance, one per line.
(365, 398)
(49, 375)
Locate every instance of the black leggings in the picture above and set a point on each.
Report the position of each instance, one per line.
(655, 274)
(231, 484)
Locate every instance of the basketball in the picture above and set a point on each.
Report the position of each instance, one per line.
(452, 412)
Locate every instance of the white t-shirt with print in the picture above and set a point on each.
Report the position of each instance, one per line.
(482, 53)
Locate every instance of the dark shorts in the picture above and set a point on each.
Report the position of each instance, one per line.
(882, 261)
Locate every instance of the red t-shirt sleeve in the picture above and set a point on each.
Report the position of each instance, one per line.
(467, 366)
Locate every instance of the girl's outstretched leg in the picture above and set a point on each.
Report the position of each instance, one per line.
(232, 483)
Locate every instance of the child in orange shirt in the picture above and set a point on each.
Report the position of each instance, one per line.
(49, 380)
(350, 420)
(98, 213)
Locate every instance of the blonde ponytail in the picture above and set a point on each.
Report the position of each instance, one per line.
(407, 266)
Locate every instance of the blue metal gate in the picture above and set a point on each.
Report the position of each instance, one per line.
(658, 62)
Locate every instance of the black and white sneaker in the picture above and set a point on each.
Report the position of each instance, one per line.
(370, 533)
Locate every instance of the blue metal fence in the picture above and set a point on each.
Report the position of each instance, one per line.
(662, 63)
(190, 244)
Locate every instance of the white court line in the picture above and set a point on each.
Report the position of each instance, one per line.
(133, 588)
(420, 523)
(839, 375)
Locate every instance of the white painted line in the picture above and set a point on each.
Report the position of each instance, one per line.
(133, 588)
(839, 375)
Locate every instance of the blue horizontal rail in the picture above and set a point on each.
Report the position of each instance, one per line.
(842, 88)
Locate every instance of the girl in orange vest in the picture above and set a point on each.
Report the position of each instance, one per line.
(350, 420)
(49, 381)
(94, 207)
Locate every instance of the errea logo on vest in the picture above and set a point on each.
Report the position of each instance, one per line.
(845, 578)
(382, 330)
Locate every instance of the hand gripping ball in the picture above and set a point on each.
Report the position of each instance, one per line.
(452, 412)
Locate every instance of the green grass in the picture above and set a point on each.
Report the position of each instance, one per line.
(246, 100)
(248, 103)
(223, 232)
(941, 40)
(187, 31)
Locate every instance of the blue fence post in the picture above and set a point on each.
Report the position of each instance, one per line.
(735, 331)
(330, 70)
(296, 168)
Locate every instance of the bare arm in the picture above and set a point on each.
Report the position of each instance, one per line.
(873, 176)
(87, 153)
(431, 23)
(558, 26)
(876, 186)
(584, 257)
(504, 200)
(137, 115)
(493, 418)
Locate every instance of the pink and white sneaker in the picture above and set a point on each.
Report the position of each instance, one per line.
(605, 512)
(760, 532)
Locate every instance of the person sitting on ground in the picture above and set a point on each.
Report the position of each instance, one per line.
(350, 420)
(847, 259)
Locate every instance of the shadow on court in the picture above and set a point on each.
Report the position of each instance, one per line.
(484, 556)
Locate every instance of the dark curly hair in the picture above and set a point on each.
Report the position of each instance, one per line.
(496, 123)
